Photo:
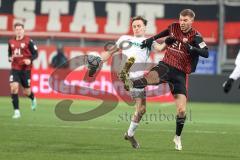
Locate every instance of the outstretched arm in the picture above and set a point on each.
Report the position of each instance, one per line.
(94, 62)
(107, 54)
(164, 33)
(159, 47)
(148, 42)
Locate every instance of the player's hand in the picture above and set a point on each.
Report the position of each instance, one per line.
(170, 40)
(147, 43)
(227, 85)
(188, 46)
(27, 61)
(10, 59)
(93, 63)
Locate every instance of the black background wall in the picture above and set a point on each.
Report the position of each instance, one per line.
(208, 88)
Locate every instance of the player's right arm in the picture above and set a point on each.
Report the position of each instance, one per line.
(100, 59)
(112, 48)
(107, 54)
(148, 42)
(94, 62)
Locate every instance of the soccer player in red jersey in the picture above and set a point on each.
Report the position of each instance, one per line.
(21, 52)
(185, 45)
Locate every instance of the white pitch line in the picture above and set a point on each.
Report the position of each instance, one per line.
(105, 128)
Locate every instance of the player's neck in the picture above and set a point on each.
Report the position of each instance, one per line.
(189, 29)
(139, 36)
(19, 37)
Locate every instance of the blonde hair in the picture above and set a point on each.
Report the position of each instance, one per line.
(187, 12)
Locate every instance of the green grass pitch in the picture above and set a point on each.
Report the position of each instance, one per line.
(212, 132)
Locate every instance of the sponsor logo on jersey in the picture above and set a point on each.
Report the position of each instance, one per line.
(202, 45)
(22, 45)
(185, 40)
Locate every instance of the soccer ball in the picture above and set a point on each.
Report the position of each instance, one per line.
(93, 61)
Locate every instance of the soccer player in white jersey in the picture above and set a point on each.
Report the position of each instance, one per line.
(227, 85)
(140, 56)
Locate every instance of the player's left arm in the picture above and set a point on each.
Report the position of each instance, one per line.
(199, 47)
(33, 49)
(10, 58)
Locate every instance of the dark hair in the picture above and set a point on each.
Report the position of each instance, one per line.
(139, 18)
(18, 24)
(187, 12)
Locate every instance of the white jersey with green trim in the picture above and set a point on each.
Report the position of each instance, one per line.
(130, 47)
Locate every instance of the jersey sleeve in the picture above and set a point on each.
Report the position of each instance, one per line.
(237, 61)
(199, 42)
(236, 73)
(198, 47)
(9, 50)
(33, 49)
(171, 27)
(120, 41)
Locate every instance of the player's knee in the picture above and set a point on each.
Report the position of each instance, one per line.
(181, 112)
(26, 92)
(142, 111)
(14, 89)
(152, 77)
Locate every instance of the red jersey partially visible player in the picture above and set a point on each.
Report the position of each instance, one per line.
(185, 45)
(21, 52)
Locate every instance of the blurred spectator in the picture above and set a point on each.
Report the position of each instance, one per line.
(59, 60)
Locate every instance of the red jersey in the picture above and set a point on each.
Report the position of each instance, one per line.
(20, 50)
(176, 54)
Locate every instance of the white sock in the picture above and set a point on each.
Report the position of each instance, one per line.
(132, 128)
(16, 111)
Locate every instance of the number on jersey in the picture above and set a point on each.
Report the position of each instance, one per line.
(17, 52)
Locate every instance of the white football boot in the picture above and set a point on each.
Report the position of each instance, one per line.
(178, 143)
(16, 114)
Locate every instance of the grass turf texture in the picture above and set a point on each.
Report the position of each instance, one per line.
(212, 132)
